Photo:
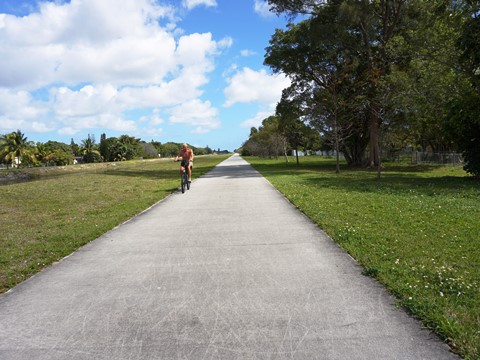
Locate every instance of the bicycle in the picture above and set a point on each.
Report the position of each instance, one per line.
(184, 179)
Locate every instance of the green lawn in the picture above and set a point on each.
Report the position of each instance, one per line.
(416, 230)
(63, 208)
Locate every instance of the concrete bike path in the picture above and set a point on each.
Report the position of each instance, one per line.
(229, 270)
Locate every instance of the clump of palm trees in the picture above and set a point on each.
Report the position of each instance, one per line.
(17, 151)
(89, 150)
(14, 147)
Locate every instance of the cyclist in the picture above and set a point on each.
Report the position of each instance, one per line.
(187, 160)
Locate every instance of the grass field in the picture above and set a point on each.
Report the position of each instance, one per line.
(416, 230)
(62, 208)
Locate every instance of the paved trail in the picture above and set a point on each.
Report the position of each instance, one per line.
(243, 276)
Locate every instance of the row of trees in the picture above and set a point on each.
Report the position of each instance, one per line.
(15, 149)
(280, 135)
(379, 75)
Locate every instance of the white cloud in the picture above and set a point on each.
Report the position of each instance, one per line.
(256, 120)
(128, 60)
(88, 108)
(190, 4)
(262, 8)
(67, 131)
(85, 40)
(88, 101)
(226, 42)
(197, 113)
(150, 125)
(247, 52)
(230, 71)
(100, 60)
(18, 110)
(249, 86)
(194, 49)
(258, 87)
(154, 119)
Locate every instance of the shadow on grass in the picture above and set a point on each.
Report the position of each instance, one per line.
(406, 184)
(229, 172)
(330, 165)
(165, 174)
(396, 178)
(145, 174)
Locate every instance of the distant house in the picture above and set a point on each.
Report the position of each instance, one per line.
(300, 153)
(78, 160)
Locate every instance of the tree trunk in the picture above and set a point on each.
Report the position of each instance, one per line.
(337, 150)
(285, 150)
(337, 131)
(374, 159)
(337, 146)
(354, 150)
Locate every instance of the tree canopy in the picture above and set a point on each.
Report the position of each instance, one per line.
(381, 75)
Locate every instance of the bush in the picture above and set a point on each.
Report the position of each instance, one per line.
(61, 157)
(92, 157)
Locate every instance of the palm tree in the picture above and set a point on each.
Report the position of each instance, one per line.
(3, 141)
(43, 153)
(89, 150)
(13, 146)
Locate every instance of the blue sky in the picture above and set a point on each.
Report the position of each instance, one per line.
(164, 70)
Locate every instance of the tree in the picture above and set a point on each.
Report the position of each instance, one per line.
(279, 134)
(469, 42)
(61, 158)
(14, 146)
(425, 78)
(364, 31)
(89, 149)
(107, 148)
(294, 130)
(119, 151)
(54, 153)
(267, 141)
(123, 148)
(327, 81)
(258, 142)
(170, 149)
(43, 154)
(56, 145)
(294, 7)
(75, 148)
(103, 148)
(130, 145)
(464, 119)
(464, 125)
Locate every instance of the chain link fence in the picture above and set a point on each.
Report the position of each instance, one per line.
(415, 157)
(419, 157)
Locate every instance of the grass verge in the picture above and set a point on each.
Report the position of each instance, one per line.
(62, 208)
(416, 230)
